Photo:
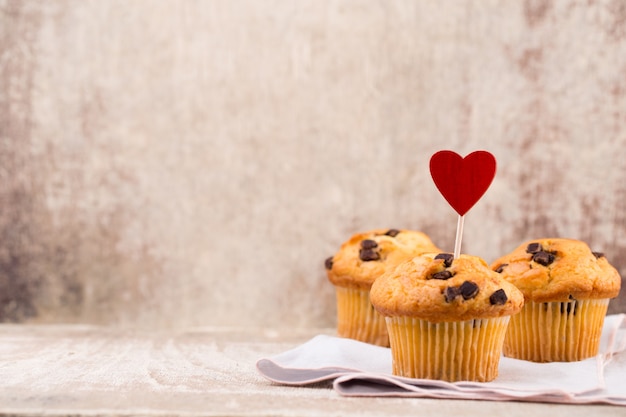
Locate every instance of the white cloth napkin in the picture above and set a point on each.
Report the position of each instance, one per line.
(361, 369)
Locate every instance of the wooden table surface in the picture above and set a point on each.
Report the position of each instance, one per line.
(83, 370)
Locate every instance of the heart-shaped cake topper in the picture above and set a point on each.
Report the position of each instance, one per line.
(462, 181)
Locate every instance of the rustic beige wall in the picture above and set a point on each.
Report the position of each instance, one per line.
(185, 163)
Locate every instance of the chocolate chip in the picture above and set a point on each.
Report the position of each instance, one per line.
(442, 275)
(368, 255)
(451, 293)
(543, 258)
(447, 258)
(500, 268)
(367, 252)
(533, 248)
(368, 244)
(498, 298)
(468, 290)
(328, 263)
(598, 255)
(392, 232)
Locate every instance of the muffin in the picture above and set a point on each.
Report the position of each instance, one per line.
(566, 289)
(353, 269)
(446, 317)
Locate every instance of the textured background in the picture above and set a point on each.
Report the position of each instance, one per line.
(190, 163)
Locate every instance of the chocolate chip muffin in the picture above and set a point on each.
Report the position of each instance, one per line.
(357, 264)
(567, 288)
(446, 317)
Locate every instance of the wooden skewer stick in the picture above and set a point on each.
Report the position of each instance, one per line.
(459, 237)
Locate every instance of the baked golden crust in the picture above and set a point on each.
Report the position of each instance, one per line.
(366, 256)
(473, 290)
(570, 270)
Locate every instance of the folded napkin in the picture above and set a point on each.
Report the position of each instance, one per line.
(361, 369)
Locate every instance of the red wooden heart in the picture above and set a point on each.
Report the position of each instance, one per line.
(462, 181)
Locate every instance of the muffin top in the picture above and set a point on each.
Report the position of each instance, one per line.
(557, 269)
(437, 288)
(366, 256)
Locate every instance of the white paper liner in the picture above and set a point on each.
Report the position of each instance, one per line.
(556, 331)
(450, 351)
(357, 319)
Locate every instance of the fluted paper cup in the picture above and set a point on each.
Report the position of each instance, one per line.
(450, 351)
(357, 319)
(556, 331)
